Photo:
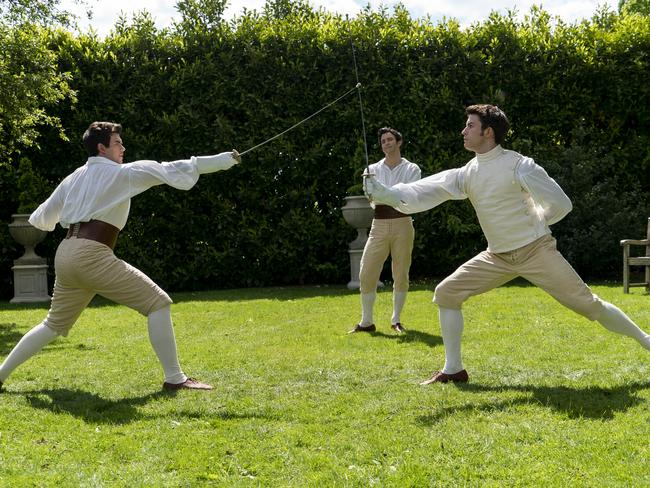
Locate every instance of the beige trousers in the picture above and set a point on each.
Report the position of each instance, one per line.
(538, 262)
(85, 268)
(392, 237)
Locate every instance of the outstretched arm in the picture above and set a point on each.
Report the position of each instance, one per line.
(218, 162)
(182, 174)
(419, 195)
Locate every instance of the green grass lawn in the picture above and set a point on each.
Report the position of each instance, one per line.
(553, 399)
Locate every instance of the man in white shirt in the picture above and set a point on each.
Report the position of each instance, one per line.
(391, 234)
(515, 201)
(93, 203)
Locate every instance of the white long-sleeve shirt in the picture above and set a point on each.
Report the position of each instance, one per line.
(514, 198)
(404, 172)
(102, 189)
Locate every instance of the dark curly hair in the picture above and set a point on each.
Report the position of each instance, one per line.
(491, 116)
(99, 133)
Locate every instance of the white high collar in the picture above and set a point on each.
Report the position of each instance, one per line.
(491, 155)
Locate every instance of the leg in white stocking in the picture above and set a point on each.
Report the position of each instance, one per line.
(451, 327)
(163, 341)
(32, 342)
(615, 320)
(399, 299)
(367, 304)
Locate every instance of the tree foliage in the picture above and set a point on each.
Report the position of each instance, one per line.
(627, 7)
(31, 84)
(41, 12)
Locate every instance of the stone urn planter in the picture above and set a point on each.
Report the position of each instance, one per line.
(30, 270)
(26, 234)
(359, 214)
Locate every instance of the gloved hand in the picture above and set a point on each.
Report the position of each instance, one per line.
(380, 193)
(236, 156)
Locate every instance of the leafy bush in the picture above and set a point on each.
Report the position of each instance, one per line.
(577, 96)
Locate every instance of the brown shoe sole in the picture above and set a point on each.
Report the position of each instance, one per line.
(188, 384)
(359, 328)
(398, 328)
(440, 377)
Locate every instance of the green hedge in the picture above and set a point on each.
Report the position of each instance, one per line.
(577, 96)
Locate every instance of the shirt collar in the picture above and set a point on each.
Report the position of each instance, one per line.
(491, 155)
(383, 161)
(100, 160)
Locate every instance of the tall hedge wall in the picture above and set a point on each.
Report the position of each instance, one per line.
(577, 96)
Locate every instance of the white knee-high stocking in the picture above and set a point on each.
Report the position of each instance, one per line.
(367, 304)
(451, 328)
(399, 299)
(32, 342)
(163, 341)
(615, 320)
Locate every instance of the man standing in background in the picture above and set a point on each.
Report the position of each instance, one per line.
(391, 234)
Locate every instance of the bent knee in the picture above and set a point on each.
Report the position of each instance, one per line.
(59, 328)
(368, 281)
(446, 298)
(401, 282)
(158, 302)
(592, 310)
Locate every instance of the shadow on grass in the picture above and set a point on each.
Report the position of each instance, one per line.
(589, 403)
(9, 336)
(89, 406)
(409, 336)
(93, 409)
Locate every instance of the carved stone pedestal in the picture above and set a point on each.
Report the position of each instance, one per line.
(359, 214)
(30, 283)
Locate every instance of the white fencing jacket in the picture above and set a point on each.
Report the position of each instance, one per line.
(514, 198)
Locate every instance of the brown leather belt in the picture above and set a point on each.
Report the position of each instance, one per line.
(95, 230)
(387, 212)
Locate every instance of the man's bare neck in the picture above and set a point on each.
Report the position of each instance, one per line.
(393, 161)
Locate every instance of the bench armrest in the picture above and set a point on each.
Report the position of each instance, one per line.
(644, 242)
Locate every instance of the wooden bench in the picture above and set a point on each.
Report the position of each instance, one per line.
(629, 260)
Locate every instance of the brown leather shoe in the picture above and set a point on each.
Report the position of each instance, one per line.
(359, 328)
(188, 384)
(440, 377)
(398, 328)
